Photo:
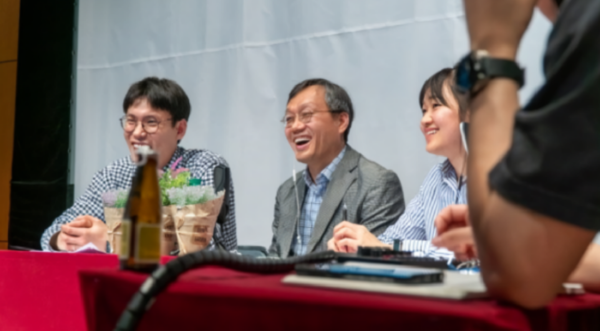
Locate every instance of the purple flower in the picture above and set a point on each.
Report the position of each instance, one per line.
(109, 198)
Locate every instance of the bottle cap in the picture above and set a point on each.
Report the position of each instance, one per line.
(143, 152)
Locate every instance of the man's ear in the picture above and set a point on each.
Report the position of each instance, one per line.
(344, 119)
(181, 128)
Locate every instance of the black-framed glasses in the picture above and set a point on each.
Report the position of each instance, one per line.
(150, 125)
(289, 119)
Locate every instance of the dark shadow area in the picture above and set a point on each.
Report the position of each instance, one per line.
(39, 186)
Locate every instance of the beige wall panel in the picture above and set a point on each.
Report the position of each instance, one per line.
(9, 29)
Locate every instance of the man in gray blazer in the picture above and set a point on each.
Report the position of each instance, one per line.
(308, 206)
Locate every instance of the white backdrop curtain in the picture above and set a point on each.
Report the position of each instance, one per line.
(237, 61)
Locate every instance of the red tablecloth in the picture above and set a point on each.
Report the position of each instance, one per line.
(215, 298)
(40, 291)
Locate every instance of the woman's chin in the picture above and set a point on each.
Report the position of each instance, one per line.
(430, 148)
(433, 149)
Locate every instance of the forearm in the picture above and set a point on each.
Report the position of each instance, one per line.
(525, 255)
(492, 120)
(492, 114)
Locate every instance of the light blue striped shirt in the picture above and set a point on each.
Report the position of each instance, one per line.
(312, 203)
(416, 226)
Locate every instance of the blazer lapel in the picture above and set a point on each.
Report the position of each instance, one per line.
(290, 226)
(341, 179)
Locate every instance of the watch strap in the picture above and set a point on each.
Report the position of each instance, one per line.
(495, 68)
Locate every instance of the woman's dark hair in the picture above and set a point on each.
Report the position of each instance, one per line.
(163, 94)
(336, 98)
(435, 84)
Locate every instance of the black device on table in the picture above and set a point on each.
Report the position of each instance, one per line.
(396, 274)
(387, 256)
(408, 269)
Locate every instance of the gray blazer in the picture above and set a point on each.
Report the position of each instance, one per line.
(372, 194)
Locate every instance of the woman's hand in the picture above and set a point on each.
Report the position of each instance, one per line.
(454, 232)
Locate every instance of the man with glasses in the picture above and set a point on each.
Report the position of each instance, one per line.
(337, 180)
(156, 115)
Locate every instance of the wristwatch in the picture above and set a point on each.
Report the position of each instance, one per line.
(397, 246)
(477, 68)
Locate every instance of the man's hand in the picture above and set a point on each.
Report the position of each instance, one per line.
(454, 232)
(498, 25)
(348, 236)
(80, 231)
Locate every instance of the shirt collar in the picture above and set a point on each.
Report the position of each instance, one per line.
(327, 172)
(448, 172)
(178, 153)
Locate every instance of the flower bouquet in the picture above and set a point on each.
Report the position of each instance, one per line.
(114, 206)
(190, 211)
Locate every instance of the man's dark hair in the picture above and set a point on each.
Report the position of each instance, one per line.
(336, 98)
(435, 84)
(163, 94)
(558, 3)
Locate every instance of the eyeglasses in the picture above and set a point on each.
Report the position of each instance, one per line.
(150, 125)
(304, 117)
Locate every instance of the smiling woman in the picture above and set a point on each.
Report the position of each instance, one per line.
(443, 109)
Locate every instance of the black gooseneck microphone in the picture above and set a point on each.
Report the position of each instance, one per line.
(168, 273)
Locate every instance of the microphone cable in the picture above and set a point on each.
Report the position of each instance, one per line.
(168, 273)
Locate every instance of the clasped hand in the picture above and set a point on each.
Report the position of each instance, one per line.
(454, 232)
(82, 230)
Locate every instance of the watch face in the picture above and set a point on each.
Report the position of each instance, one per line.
(464, 70)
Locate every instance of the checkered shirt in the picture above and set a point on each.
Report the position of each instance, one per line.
(312, 203)
(416, 226)
(118, 175)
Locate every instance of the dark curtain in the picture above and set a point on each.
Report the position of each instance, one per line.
(39, 186)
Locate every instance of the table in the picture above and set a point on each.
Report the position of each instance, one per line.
(216, 298)
(40, 291)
